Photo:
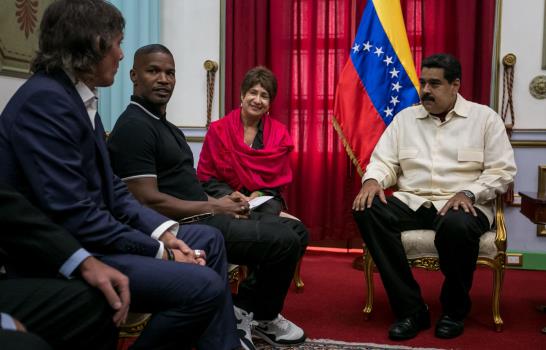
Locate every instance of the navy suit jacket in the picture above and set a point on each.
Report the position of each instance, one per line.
(28, 239)
(52, 155)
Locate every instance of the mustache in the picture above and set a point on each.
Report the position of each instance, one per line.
(427, 97)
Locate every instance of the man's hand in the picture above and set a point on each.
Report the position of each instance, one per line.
(370, 189)
(191, 258)
(226, 205)
(182, 252)
(112, 283)
(459, 200)
(19, 326)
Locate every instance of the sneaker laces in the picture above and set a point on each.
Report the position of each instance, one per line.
(280, 322)
(245, 321)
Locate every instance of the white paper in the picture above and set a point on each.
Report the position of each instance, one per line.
(256, 202)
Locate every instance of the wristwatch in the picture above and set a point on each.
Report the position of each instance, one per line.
(470, 195)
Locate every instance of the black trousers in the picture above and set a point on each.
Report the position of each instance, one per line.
(271, 247)
(67, 314)
(12, 340)
(457, 241)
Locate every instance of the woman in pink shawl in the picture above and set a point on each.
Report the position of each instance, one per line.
(246, 153)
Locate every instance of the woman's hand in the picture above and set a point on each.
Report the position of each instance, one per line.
(239, 197)
(256, 194)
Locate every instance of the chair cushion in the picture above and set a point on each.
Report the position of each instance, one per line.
(420, 244)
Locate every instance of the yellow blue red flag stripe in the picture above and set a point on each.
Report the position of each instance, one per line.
(378, 81)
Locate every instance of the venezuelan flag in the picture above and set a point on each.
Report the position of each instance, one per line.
(377, 82)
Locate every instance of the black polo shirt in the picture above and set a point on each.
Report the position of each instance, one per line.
(144, 144)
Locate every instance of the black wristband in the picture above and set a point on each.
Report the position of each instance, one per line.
(170, 254)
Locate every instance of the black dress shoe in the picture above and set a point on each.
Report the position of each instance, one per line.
(448, 327)
(408, 327)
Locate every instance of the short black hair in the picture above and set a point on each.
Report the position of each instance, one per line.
(152, 48)
(76, 35)
(263, 76)
(450, 65)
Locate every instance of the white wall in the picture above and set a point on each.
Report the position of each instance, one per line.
(8, 86)
(521, 34)
(191, 30)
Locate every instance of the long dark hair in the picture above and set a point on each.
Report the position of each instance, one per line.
(76, 34)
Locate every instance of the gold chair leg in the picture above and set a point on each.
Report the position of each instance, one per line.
(297, 277)
(498, 276)
(368, 273)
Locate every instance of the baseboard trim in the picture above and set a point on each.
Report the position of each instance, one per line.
(529, 260)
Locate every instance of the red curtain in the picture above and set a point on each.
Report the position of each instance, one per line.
(465, 29)
(306, 44)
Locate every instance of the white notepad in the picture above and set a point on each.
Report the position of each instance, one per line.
(256, 202)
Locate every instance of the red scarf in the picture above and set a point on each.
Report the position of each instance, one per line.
(227, 158)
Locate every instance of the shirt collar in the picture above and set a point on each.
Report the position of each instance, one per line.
(148, 107)
(461, 108)
(88, 96)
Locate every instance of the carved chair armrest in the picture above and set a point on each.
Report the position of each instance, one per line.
(500, 224)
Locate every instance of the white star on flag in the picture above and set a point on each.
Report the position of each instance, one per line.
(394, 100)
(388, 60)
(356, 47)
(367, 46)
(388, 112)
(396, 86)
(378, 51)
(394, 72)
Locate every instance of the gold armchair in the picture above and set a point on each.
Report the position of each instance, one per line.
(421, 252)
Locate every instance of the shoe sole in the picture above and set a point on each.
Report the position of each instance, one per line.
(447, 336)
(267, 339)
(395, 337)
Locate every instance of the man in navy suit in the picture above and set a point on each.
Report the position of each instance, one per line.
(53, 151)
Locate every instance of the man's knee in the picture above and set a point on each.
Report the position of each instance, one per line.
(90, 302)
(365, 215)
(281, 242)
(207, 233)
(301, 230)
(210, 288)
(454, 229)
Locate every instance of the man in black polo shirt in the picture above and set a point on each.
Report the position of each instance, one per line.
(152, 156)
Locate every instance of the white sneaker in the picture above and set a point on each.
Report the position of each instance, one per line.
(245, 323)
(279, 332)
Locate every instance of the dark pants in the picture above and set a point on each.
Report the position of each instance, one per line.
(67, 314)
(457, 241)
(12, 340)
(271, 247)
(190, 304)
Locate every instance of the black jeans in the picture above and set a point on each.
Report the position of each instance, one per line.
(271, 247)
(457, 241)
